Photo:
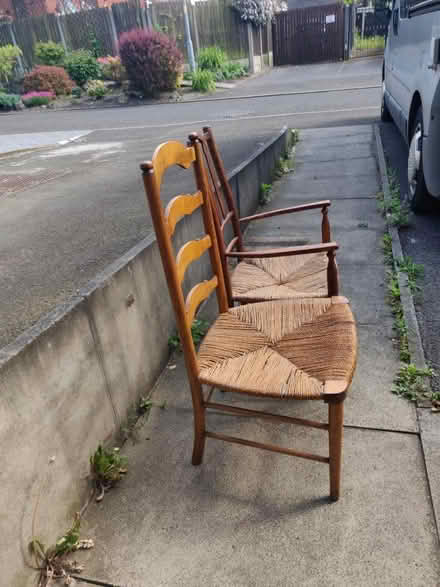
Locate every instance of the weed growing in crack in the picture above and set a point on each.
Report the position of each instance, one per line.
(265, 194)
(410, 383)
(198, 330)
(396, 211)
(413, 272)
(52, 562)
(107, 467)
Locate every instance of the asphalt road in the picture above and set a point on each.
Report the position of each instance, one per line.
(421, 241)
(82, 205)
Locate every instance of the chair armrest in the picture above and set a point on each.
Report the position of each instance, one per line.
(284, 251)
(301, 208)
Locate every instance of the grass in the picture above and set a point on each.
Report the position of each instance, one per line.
(376, 42)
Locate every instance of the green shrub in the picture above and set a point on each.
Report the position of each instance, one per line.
(82, 66)
(48, 78)
(8, 101)
(8, 58)
(203, 81)
(211, 58)
(76, 92)
(96, 88)
(49, 53)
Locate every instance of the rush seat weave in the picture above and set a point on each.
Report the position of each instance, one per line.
(272, 278)
(292, 349)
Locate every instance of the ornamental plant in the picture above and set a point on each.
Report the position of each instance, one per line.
(258, 12)
(211, 58)
(8, 58)
(96, 88)
(151, 59)
(37, 98)
(8, 101)
(111, 68)
(81, 65)
(49, 53)
(48, 78)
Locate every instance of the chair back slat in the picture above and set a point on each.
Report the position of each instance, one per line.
(165, 156)
(181, 206)
(199, 292)
(191, 251)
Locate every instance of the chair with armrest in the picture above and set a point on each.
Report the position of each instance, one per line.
(281, 273)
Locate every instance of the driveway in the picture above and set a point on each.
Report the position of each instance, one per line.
(69, 210)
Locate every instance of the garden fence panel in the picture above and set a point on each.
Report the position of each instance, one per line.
(219, 24)
(127, 17)
(5, 35)
(89, 29)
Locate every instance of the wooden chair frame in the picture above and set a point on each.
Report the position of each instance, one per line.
(174, 153)
(225, 212)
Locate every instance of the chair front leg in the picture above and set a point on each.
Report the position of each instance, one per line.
(335, 434)
(199, 423)
(325, 225)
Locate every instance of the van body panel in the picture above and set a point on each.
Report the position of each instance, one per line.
(409, 74)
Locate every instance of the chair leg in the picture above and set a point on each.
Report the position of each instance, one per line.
(335, 433)
(199, 436)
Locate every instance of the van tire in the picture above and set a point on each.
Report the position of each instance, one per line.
(419, 198)
(385, 115)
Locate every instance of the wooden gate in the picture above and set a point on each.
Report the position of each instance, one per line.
(309, 35)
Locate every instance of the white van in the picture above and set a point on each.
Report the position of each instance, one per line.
(411, 92)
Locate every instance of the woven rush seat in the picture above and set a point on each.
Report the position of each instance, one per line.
(292, 349)
(301, 276)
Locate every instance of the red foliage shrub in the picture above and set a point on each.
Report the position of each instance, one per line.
(151, 59)
(48, 78)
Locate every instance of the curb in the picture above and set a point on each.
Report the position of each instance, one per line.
(428, 428)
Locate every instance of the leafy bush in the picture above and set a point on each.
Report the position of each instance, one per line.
(8, 57)
(259, 12)
(203, 81)
(49, 53)
(211, 58)
(96, 88)
(76, 92)
(48, 78)
(112, 68)
(81, 66)
(8, 101)
(37, 98)
(151, 59)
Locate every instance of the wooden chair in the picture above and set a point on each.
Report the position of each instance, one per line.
(266, 274)
(283, 349)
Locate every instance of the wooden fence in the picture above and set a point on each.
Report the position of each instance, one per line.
(212, 23)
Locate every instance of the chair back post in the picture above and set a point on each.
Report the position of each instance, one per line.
(193, 138)
(152, 191)
(208, 219)
(218, 163)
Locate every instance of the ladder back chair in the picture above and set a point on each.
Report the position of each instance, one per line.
(283, 349)
(282, 273)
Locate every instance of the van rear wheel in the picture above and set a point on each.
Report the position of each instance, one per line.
(420, 200)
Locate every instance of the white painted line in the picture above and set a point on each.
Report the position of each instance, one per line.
(229, 119)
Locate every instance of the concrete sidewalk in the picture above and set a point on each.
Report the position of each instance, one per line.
(251, 518)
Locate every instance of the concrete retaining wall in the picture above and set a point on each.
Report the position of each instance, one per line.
(66, 384)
